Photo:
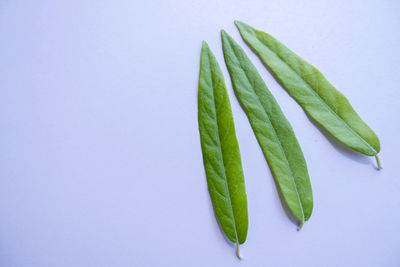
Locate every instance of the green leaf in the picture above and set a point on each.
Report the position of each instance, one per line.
(273, 131)
(221, 154)
(319, 99)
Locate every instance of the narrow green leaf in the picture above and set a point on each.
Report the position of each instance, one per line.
(221, 154)
(273, 131)
(319, 99)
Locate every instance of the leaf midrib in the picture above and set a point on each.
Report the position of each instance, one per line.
(319, 97)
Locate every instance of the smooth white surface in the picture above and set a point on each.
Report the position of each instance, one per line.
(100, 161)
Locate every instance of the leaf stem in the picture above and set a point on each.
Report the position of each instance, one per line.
(300, 226)
(238, 252)
(378, 162)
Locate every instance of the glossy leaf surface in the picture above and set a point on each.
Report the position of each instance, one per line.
(221, 155)
(273, 131)
(320, 99)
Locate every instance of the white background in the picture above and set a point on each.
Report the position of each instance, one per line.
(100, 160)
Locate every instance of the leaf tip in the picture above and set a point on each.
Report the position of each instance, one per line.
(238, 23)
(224, 35)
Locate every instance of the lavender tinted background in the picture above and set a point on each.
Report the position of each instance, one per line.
(100, 161)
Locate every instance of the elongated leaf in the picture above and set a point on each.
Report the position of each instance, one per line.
(272, 129)
(320, 100)
(220, 149)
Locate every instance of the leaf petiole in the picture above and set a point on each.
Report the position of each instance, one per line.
(238, 251)
(300, 226)
(378, 162)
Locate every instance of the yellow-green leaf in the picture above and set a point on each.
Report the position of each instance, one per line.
(221, 155)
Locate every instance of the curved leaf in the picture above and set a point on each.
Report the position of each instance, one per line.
(273, 131)
(320, 100)
(221, 155)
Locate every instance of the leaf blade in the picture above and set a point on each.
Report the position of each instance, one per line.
(319, 99)
(221, 154)
(273, 132)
